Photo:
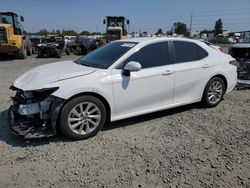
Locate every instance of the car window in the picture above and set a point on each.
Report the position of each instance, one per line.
(153, 55)
(188, 51)
(202, 53)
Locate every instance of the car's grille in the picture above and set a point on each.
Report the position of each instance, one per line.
(2, 35)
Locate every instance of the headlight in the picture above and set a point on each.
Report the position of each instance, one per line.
(44, 93)
(27, 94)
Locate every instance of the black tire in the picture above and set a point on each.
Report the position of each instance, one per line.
(205, 99)
(67, 51)
(66, 110)
(58, 53)
(28, 47)
(39, 54)
(22, 53)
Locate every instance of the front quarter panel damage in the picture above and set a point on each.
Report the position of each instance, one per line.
(34, 113)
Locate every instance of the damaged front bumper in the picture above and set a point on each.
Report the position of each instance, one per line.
(34, 113)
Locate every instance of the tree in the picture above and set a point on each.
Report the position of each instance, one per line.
(206, 31)
(43, 32)
(181, 29)
(85, 33)
(159, 32)
(69, 32)
(218, 27)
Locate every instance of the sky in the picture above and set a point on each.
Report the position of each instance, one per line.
(144, 15)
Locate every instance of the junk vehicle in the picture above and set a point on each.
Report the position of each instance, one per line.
(83, 45)
(116, 28)
(13, 40)
(241, 52)
(35, 40)
(52, 45)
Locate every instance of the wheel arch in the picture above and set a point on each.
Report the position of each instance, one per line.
(89, 93)
(223, 78)
(216, 75)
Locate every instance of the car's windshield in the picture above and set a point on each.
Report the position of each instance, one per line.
(105, 56)
(246, 40)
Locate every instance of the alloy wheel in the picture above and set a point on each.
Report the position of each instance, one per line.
(84, 118)
(215, 92)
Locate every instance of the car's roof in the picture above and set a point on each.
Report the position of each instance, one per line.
(152, 39)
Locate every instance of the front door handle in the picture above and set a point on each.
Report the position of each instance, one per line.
(205, 66)
(167, 72)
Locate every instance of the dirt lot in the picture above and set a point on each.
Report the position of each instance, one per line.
(183, 147)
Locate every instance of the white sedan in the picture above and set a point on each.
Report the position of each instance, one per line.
(122, 79)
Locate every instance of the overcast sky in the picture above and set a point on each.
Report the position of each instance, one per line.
(144, 15)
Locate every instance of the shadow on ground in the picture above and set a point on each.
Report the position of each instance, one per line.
(15, 141)
(7, 58)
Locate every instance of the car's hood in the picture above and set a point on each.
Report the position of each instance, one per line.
(42, 76)
(240, 45)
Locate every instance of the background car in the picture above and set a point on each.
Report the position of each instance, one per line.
(120, 80)
(211, 45)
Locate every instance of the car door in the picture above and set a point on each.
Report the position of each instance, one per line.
(148, 89)
(192, 68)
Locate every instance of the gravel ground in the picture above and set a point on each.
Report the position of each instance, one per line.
(182, 147)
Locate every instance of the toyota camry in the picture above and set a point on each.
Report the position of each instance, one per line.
(122, 79)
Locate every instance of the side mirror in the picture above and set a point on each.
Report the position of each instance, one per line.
(22, 19)
(104, 21)
(128, 22)
(132, 66)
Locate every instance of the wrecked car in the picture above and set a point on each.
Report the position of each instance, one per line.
(84, 45)
(52, 46)
(122, 79)
(241, 52)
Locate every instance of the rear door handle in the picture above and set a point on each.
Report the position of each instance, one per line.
(167, 72)
(205, 66)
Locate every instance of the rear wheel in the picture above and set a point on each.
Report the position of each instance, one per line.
(213, 92)
(82, 117)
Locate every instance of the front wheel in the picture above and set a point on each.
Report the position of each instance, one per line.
(82, 117)
(22, 53)
(213, 92)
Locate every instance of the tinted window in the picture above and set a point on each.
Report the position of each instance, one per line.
(202, 53)
(152, 55)
(105, 56)
(188, 51)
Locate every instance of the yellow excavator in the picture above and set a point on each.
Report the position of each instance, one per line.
(13, 40)
(115, 28)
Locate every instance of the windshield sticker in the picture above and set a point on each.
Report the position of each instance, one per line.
(128, 45)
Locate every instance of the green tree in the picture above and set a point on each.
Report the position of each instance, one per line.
(218, 27)
(181, 29)
(159, 32)
(206, 31)
(85, 33)
(69, 32)
(43, 32)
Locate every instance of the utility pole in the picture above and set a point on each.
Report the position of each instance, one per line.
(191, 23)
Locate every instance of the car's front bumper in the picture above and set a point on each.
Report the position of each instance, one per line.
(42, 123)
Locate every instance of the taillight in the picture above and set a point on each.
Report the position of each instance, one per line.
(233, 62)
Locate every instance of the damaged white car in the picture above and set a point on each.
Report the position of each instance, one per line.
(123, 79)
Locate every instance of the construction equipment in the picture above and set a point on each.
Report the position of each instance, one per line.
(13, 40)
(115, 28)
